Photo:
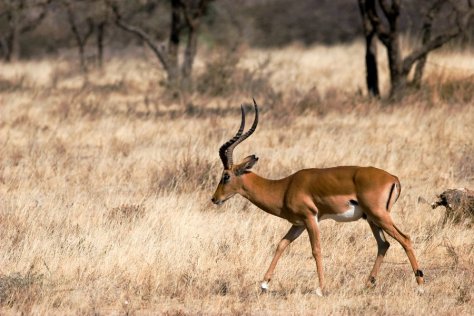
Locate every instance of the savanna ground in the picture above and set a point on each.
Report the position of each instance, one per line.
(105, 186)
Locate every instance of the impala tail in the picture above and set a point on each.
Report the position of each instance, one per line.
(394, 194)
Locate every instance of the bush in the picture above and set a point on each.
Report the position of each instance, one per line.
(20, 289)
(224, 77)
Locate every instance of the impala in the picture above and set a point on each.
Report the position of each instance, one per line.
(344, 194)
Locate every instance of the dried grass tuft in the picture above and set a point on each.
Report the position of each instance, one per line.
(126, 213)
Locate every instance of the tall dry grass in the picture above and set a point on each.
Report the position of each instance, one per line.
(105, 187)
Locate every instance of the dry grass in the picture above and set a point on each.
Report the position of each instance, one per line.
(105, 189)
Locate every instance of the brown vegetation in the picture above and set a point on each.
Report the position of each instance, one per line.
(105, 187)
(459, 205)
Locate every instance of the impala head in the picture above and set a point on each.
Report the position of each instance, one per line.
(231, 180)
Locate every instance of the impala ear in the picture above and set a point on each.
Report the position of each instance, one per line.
(245, 165)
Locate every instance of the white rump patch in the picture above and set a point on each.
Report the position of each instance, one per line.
(352, 214)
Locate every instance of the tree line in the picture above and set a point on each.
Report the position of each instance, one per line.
(166, 25)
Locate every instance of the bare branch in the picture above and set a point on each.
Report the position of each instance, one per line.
(189, 17)
(31, 25)
(433, 44)
(462, 19)
(90, 30)
(425, 37)
(157, 50)
(193, 12)
(392, 10)
(385, 7)
(81, 39)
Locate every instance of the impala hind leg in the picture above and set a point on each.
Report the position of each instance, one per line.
(382, 247)
(291, 235)
(386, 223)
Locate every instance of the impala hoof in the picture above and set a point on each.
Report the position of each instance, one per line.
(371, 283)
(420, 290)
(319, 292)
(264, 287)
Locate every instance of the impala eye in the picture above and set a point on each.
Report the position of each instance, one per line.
(225, 178)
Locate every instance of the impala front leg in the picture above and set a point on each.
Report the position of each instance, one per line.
(293, 233)
(315, 239)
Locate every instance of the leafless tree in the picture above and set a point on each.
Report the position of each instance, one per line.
(21, 16)
(100, 35)
(186, 17)
(382, 17)
(86, 17)
(81, 33)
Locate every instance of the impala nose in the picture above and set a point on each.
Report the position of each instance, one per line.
(216, 201)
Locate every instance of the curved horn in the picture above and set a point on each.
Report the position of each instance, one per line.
(230, 149)
(223, 150)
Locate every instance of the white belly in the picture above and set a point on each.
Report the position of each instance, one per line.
(352, 214)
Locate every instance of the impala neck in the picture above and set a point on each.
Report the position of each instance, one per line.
(264, 193)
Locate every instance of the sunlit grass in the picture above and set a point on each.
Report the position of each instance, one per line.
(105, 190)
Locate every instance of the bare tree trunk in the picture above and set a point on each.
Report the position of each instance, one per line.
(425, 37)
(8, 56)
(189, 55)
(12, 40)
(389, 37)
(372, 79)
(398, 78)
(193, 11)
(419, 69)
(100, 42)
(3, 48)
(81, 39)
(371, 64)
(173, 48)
